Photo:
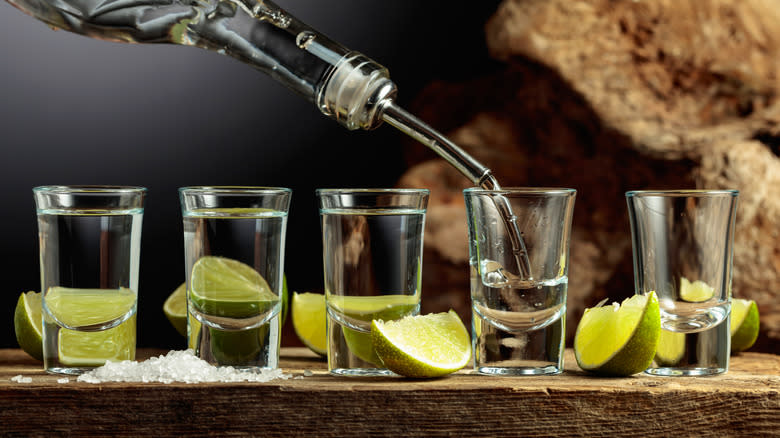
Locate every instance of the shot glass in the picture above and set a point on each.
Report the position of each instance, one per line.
(372, 245)
(90, 246)
(234, 240)
(519, 262)
(682, 244)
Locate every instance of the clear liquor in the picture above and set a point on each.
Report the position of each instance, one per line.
(373, 268)
(519, 325)
(90, 269)
(247, 335)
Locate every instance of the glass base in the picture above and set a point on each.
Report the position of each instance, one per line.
(519, 371)
(362, 372)
(692, 371)
(70, 371)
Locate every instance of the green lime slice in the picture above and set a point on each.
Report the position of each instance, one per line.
(239, 348)
(87, 307)
(77, 348)
(175, 309)
(369, 308)
(422, 346)
(27, 324)
(695, 292)
(744, 324)
(620, 339)
(309, 321)
(228, 288)
(671, 348)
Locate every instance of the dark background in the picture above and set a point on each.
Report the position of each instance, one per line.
(75, 110)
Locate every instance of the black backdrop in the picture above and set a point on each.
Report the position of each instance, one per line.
(74, 110)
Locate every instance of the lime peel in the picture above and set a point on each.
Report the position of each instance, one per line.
(422, 346)
(620, 339)
(175, 309)
(27, 324)
(745, 324)
(309, 320)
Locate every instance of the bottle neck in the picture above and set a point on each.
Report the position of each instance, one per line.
(355, 91)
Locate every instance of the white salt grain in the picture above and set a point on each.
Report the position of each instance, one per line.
(21, 379)
(63, 380)
(176, 366)
(308, 373)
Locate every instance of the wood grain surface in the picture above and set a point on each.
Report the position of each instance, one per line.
(743, 402)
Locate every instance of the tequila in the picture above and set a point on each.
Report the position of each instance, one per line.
(90, 238)
(234, 261)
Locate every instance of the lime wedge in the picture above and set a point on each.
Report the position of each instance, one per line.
(116, 344)
(695, 292)
(228, 288)
(27, 324)
(88, 307)
(620, 339)
(241, 347)
(366, 309)
(744, 324)
(422, 346)
(671, 348)
(175, 309)
(308, 319)
(386, 307)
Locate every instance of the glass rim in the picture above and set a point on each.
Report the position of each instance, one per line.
(521, 191)
(244, 190)
(682, 193)
(102, 189)
(402, 191)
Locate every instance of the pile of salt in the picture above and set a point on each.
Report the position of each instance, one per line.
(176, 366)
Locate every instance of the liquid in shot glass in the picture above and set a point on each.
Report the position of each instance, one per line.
(90, 243)
(372, 253)
(519, 312)
(234, 240)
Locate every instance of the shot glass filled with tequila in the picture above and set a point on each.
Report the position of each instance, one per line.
(90, 244)
(519, 315)
(372, 243)
(234, 259)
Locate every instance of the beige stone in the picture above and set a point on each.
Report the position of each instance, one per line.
(606, 96)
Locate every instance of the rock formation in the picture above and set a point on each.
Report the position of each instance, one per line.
(606, 96)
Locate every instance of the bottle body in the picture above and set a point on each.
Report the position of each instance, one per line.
(257, 33)
(345, 85)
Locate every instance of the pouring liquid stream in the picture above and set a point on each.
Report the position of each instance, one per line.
(345, 85)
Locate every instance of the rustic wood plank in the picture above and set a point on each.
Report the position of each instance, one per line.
(745, 401)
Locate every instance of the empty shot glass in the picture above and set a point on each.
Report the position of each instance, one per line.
(519, 312)
(90, 246)
(682, 244)
(234, 239)
(372, 244)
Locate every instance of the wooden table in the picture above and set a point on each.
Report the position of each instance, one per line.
(743, 402)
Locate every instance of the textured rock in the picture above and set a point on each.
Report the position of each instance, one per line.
(607, 96)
